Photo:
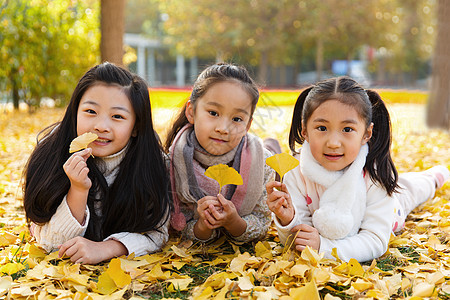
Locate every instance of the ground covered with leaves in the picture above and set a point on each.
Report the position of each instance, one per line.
(417, 264)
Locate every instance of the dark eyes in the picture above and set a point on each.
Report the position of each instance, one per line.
(215, 114)
(323, 128)
(93, 112)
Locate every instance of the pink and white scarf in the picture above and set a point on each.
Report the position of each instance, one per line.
(189, 183)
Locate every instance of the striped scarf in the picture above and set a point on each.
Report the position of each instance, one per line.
(189, 183)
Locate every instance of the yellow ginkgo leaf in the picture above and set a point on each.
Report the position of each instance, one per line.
(117, 274)
(224, 174)
(179, 284)
(105, 284)
(11, 268)
(7, 238)
(354, 268)
(282, 163)
(308, 291)
(81, 142)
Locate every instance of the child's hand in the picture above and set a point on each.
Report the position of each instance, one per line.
(227, 218)
(222, 217)
(216, 212)
(203, 228)
(84, 251)
(204, 211)
(306, 236)
(279, 202)
(77, 171)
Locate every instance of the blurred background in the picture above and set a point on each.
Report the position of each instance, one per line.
(287, 44)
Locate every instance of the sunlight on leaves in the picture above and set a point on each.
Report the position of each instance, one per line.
(416, 265)
(5, 284)
(11, 268)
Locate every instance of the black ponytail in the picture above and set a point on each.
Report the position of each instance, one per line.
(379, 162)
(295, 134)
(179, 123)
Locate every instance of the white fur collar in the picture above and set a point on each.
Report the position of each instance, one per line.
(345, 189)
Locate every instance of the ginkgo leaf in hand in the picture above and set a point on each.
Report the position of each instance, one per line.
(81, 142)
(224, 174)
(282, 163)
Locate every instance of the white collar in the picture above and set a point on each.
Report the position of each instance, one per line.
(345, 193)
(111, 162)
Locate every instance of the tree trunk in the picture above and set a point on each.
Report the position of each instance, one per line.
(263, 68)
(319, 58)
(438, 109)
(112, 25)
(15, 92)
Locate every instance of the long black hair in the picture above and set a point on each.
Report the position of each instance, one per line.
(370, 107)
(138, 200)
(220, 72)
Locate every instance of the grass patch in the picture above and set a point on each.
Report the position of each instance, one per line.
(390, 262)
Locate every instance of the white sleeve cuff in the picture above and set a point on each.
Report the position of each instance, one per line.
(141, 244)
(284, 231)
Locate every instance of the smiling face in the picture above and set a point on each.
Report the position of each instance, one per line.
(335, 133)
(221, 117)
(106, 111)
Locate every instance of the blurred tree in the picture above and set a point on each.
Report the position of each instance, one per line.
(438, 114)
(112, 24)
(45, 47)
(344, 33)
(254, 31)
(202, 28)
(407, 45)
(265, 33)
(143, 16)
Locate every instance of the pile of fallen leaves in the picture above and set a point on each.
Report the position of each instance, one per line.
(417, 264)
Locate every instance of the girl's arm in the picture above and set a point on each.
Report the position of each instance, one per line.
(373, 237)
(77, 171)
(84, 251)
(62, 227)
(71, 217)
(302, 214)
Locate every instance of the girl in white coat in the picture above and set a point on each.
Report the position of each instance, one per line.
(346, 193)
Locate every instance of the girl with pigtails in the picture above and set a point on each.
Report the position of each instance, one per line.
(346, 192)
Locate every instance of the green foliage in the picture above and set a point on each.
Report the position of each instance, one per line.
(266, 32)
(47, 46)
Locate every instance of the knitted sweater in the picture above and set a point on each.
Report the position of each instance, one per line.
(63, 226)
(370, 235)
